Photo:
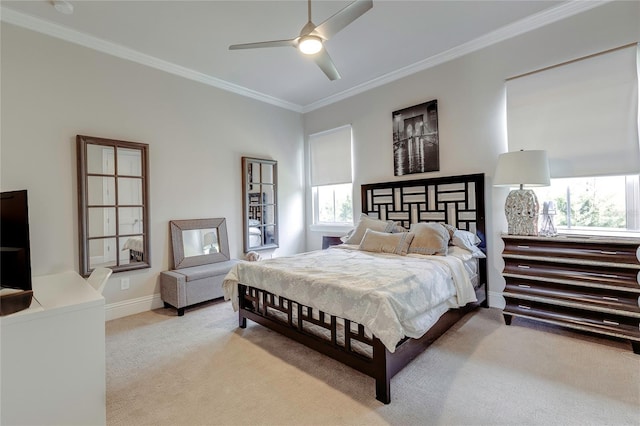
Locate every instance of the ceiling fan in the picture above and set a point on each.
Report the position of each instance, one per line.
(311, 38)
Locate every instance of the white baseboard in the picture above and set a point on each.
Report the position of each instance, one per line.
(132, 306)
(496, 300)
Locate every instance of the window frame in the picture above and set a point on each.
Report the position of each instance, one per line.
(316, 206)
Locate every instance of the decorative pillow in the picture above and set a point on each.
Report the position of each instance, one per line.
(398, 229)
(366, 222)
(451, 230)
(383, 242)
(430, 238)
(468, 241)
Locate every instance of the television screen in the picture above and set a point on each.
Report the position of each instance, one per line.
(14, 241)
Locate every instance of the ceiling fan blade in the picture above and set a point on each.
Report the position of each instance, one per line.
(325, 63)
(273, 43)
(341, 19)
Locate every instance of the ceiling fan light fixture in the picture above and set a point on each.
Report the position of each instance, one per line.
(310, 45)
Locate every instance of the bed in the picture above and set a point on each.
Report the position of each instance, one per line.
(135, 247)
(378, 304)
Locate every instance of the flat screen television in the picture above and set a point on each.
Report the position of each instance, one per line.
(14, 241)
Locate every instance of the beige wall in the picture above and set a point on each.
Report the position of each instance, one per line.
(53, 90)
(471, 108)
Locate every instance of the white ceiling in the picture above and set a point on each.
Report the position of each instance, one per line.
(191, 38)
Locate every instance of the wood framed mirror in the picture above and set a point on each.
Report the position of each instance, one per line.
(113, 201)
(199, 242)
(260, 203)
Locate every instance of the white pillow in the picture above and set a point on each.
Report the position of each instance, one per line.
(468, 241)
(366, 222)
(383, 242)
(460, 253)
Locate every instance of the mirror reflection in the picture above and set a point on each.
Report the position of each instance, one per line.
(260, 203)
(112, 193)
(199, 241)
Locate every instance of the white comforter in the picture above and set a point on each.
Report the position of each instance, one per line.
(392, 296)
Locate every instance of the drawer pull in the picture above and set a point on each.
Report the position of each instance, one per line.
(524, 266)
(608, 252)
(524, 286)
(524, 306)
(523, 247)
(596, 274)
(610, 322)
(614, 299)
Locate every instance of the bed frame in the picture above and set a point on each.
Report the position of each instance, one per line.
(455, 200)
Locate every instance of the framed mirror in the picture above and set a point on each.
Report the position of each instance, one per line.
(113, 200)
(199, 241)
(260, 203)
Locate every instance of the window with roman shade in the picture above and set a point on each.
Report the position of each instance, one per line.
(330, 176)
(584, 113)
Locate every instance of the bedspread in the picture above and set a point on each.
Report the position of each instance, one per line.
(383, 292)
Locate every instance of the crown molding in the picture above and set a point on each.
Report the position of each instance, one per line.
(64, 33)
(514, 29)
(530, 23)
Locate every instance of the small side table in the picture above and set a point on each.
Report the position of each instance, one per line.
(328, 241)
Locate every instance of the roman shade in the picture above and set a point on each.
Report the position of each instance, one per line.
(330, 155)
(584, 113)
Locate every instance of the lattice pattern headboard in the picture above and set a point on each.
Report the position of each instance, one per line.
(455, 200)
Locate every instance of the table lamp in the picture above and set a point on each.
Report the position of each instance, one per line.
(520, 168)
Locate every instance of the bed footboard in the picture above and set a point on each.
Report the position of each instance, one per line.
(338, 338)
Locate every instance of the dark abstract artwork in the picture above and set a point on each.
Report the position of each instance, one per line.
(415, 139)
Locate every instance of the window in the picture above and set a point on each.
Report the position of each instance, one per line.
(333, 203)
(331, 181)
(606, 203)
(584, 113)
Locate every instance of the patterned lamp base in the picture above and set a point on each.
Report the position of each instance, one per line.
(521, 209)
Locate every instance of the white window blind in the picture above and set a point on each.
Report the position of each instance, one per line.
(331, 157)
(583, 113)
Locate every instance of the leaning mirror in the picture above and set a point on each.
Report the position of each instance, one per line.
(113, 191)
(199, 242)
(260, 203)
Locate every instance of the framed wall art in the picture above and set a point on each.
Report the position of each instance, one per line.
(416, 146)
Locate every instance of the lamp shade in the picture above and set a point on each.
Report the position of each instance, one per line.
(530, 168)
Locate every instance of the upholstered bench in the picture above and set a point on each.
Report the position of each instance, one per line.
(184, 287)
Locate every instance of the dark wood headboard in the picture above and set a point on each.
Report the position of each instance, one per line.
(454, 200)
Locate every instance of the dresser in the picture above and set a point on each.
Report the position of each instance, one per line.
(586, 283)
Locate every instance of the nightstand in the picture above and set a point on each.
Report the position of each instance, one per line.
(328, 241)
(586, 283)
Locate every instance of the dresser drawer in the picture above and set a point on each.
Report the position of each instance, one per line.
(609, 324)
(610, 275)
(587, 250)
(591, 298)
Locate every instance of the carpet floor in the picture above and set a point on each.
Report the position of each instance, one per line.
(201, 369)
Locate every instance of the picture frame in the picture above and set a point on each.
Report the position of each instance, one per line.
(416, 145)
